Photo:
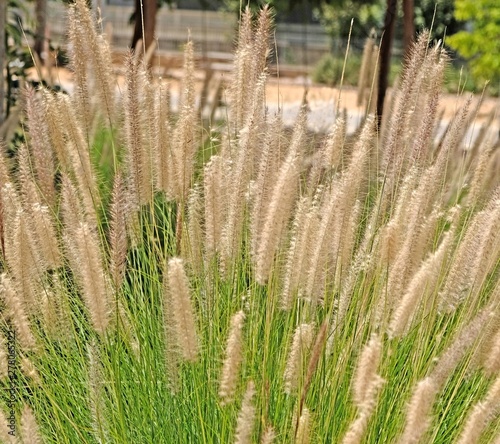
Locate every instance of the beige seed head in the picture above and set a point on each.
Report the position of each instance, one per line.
(268, 436)
(418, 412)
(86, 261)
(481, 415)
(366, 381)
(246, 417)
(233, 358)
(357, 429)
(182, 311)
(29, 427)
(301, 343)
(277, 215)
(4, 367)
(118, 230)
(16, 312)
(303, 429)
(29, 370)
(424, 280)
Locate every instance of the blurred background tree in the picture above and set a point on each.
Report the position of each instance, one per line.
(144, 19)
(15, 57)
(479, 43)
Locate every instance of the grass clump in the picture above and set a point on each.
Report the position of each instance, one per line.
(263, 293)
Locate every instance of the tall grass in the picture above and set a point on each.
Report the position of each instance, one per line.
(250, 296)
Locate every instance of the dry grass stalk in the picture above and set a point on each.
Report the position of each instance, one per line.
(55, 310)
(423, 282)
(481, 415)
(181, 310)
(193, 243)
(347, 243)
(241, 85)
(366, 381)
(301, 344)
(262, 41)
(16, 312)
(28, 189)
(331, 153)
(474, 256)
(335, 210)
(246, 417)
(419, 153)
(56, 130)
(215, 196)
(282, 196)
(11, 206)
(233, 358)
(277, 215)
(45, 238)
(4, 358)
(268, 436)
(43, 162)
(162, 145)
(304, 227)
(5, 436)
(243, 158)
(418, 412)
(136, 162)
(78, 148)
(72, 209)
(24, 263)
(184, 139)
(29, 428)
(467, 336)
(303, 428)
(268, 164)
(30, 371)
(95, 50)
(79, 67)
(86, 261)
(477, 187)
(405, 100)
(321, 247)
(96, 384)
(366, 385)
(492, 358)
(118, 232)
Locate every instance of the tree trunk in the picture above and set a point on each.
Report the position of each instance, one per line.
(408, 25)
(145, 14)
(41, 24)
(385, 54)
(3, 57)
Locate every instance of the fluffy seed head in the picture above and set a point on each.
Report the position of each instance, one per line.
(246, 417)
(233, 358)
(301, 343)
(182, 310)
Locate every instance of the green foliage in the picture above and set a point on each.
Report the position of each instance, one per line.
(481, 44)
(329, 70)
(437, 16)
(336, 17)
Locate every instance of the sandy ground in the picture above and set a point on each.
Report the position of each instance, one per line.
(323, 101)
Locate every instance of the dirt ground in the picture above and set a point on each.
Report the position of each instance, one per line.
(290, 91)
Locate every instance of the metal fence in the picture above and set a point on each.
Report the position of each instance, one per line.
(212, 31)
